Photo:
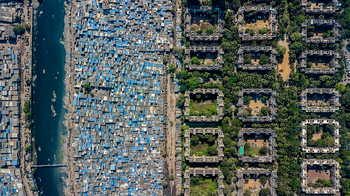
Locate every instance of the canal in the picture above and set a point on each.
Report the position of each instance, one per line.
(48, 93)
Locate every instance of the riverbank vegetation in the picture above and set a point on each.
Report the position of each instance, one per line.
(27, 113)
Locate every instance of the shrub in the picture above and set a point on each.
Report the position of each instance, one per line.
(264, 150)
(195, 60)
(209, 31)
(309, 64)
(19, 29)
(264, 59)
(264, 192)
(263, 31)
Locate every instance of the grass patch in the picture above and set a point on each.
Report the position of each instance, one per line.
(203, 186)
(199, 150)
(203, 107)
(255, 151)
(321, 183)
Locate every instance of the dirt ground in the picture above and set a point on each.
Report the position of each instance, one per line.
(208, 61)
(314, 175)
(320, 65)
(318, 35)
(259, 142)
(208, 58)
(254, 186)
(318, 103)
(319, 31)
(201, 22)
(255, 61)
(284, 68)
(319, 61)
(317, 136)
(256, 106)
(259, 24)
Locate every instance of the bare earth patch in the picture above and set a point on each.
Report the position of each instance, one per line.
(318, 3)
(208, 61)
(257, 143)
(320, 65)
(315, 175)
(317, 136)
(256, 106)
(254, 186)
(256, 26)
(284, 68)
(255, 61)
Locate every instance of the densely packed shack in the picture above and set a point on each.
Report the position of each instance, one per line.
(118, 100)
(10, 174)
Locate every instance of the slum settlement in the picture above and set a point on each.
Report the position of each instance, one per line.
(118, 101)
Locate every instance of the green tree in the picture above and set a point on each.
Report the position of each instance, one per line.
(298, 47)
(247, 192)
(340, 87)
(19, 29)
(28, 148)
(212, 150)
(193, 83)
(247, 149)
(265, 111)
(209, 138)
(264, 150)
(263, 179)
(300, 19)
(180, 100)
(264, 59)
(171, 68)
(264, 192)
(195, 60)
(296, 37)
(209, 31)
(308, 64)
(263, 31)
(281, 50)
(247, 59)
(194, 140)
(27, 26)
(86, 86)
(247, 111)
(246, 100)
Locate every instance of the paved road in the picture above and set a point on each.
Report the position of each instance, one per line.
(70, 104)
